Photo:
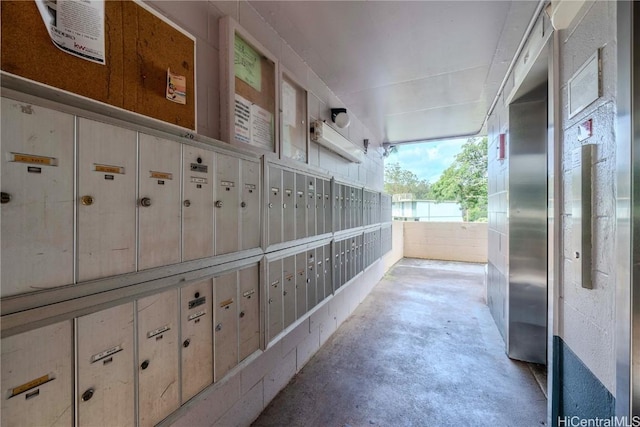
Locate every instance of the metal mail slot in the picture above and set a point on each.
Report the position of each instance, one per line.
(31, 385)
(158, 331)
(196, 315)
(199, 168)
(97, 357)
(32, 159)
(196, 302)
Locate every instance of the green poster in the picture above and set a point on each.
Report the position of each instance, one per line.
(247, 64)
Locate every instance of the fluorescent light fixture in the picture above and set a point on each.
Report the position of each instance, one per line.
(329, 138)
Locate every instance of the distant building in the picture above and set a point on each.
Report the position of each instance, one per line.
(405, 207)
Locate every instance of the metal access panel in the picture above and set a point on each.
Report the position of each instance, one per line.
(227, 204)
(158, 379)
(311, 206)
(289, 205)
(320, 206)
(301, 206)
(196, 322)
(197, 203)
(301, 284)
(320, 288)
(311, 279)
(107, 164)
(225, 321)
(250, 204)
(159, 203)
(36, 377)
(275, 205)
(37, 198)
(249, 310)
(274, 301)
(106, 367)
(289, 289)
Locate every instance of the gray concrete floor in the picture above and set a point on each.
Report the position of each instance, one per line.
(421, 350)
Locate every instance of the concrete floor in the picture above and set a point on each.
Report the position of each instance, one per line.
(421, 350)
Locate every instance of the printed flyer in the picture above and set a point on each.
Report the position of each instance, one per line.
(76, 27)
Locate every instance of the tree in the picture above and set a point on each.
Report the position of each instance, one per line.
(465, 181)
(398, 180)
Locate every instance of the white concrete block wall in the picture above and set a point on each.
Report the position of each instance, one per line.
(587, 317)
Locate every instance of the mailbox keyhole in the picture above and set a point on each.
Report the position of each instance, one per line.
(186, 343)
(197, 295)
(199, 160)
(87, 395)
(144, 365)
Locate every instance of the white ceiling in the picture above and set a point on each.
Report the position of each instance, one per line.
(409, 70)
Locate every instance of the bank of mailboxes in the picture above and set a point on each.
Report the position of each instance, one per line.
(142, 201)
(186, 339)
(372, 249)
(348, 203)
(347, 261)
(372, 213)
(296, 283)
(297, 205)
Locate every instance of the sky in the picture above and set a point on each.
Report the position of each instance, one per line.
(427, 159)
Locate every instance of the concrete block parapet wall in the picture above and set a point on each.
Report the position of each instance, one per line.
(449, 241)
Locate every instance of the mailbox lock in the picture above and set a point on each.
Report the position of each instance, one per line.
(270, 205)
(186, 343)
(241, 314)
(218, 327)
(186, 203)
(145, 201)
(5, 197)
(243, 205)
(86, 200)
(218, 203)
(144, 365)
(87, 395)
(199, 160)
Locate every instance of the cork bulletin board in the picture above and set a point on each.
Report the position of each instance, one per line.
(249, 99)
(139, 48)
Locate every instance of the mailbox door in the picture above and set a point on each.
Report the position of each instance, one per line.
(107, 162)
(311, 279)
(301, 206)
(319, 206)
(197, 337)
(320, 291)
(225, 324)
(289, 289)
(328, 275)
(336, 207)
(37, 175)
(311, 206)
(158, 382)
(250, 204)
(288, 205)
(336, 266)
(275, 205)
(274, 290)
(36, 377)
(226, 195)
(249, 308)
(301, 284)
(106, 367)
(159, 181)
(197, 203)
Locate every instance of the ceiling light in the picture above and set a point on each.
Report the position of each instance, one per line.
(340, 117)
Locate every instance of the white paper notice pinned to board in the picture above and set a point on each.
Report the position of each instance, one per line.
(242, 115)
(288, 104)
(76, 27)
(261, 127)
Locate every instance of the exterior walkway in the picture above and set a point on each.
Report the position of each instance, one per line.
(421, 350)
